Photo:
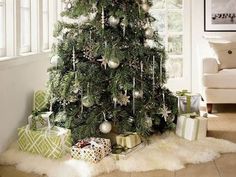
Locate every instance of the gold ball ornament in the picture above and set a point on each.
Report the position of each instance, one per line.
(88, 101)
(105, 127)
(145, 7)
(113, 21)
(138, 93)
(149, 33)
(114, 63)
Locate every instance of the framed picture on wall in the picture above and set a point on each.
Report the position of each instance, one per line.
(220, 15)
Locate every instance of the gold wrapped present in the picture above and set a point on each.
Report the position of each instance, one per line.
(129, 140)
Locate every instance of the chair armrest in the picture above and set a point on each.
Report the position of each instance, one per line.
(210, 66)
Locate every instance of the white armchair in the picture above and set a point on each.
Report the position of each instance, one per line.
(219, 84)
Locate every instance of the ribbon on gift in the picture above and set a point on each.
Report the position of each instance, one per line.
(187, 94)
(128, 140)
(39, 120)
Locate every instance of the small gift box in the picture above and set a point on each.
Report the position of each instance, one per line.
(128, 140)
(188, 102)
(40, 100)
(191, 127)
(41, 120)
(119, 152)
(53, 143)
(91, 149)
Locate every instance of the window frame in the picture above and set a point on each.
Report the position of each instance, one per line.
(3, 50)
(13, 36)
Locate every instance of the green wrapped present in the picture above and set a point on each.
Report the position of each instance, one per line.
(40, 120)
(40, 100)
(53, 143)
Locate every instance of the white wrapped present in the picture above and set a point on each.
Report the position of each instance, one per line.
(40, 121)
(91, 149)
(191, 128)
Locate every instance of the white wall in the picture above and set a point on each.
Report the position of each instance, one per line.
(200, 46)
(18, 79)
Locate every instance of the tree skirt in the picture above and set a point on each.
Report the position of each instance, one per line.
(164, 152)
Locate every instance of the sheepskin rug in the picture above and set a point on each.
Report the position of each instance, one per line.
(167, 151)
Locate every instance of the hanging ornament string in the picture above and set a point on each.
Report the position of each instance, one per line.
(153, 74)
(73, 58)
(90, 35)
(103, 18)
(51, 101)
(82, 107)
(161, 71)
(133, 95)
(64, 105)
(141, 75)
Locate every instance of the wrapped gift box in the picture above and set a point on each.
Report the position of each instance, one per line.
(188, 102)
(191, 128)
(40, 100)
(91, 149)
(42, 120)
(128, 140)
(119, 153)
(53, 143)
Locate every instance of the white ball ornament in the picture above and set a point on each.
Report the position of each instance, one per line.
(145, 7)
(105, 127)
(138, 93)
(114, 63)
(113, 21)
(54, 60)
(149, 33)
(88, 101)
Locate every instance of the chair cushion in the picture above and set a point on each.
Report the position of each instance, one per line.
(226, 53)
(225, 78)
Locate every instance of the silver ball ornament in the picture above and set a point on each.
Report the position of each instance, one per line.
(138, 93)
(105, 127)
(148, 122)
(149, 33)
(113, 21)
(145, 7)
(114, 63)
(69, 5)
(87, 101)
(54, 60)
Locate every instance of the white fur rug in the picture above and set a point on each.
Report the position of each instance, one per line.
(165, 152)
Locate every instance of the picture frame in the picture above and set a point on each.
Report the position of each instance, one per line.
(219, 15)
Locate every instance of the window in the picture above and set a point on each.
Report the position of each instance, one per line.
(45, 24)
(170, 15)
(2, 28)
(25, 26)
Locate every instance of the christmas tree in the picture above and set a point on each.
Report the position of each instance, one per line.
(105, 74)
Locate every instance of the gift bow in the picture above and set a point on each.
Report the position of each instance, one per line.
(182, 93)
